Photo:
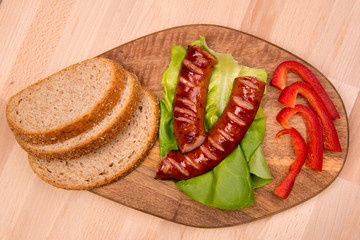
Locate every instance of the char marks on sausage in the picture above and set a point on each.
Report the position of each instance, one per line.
(190, 98)
(222, 139)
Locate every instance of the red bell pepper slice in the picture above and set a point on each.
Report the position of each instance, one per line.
(288, 98)
(314, 157)
(284, 189)
(279, 81)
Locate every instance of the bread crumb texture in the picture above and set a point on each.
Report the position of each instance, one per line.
(66, 103)
(110, 162)
(100, 134)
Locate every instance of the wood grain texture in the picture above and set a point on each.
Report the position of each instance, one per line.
(325, 33)
(148, 57)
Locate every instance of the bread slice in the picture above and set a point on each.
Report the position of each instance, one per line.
(66, 103)
(116, 120)
(110, 162)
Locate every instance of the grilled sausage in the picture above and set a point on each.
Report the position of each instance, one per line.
(222, 139)
(190, 98)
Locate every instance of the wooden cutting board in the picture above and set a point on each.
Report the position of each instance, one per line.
(148, 57)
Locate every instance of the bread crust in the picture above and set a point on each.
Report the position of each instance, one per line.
(81, 123)
(106, 135)
(46, 174)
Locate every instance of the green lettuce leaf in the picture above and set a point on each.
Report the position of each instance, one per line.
(167, 139)
(260, 173)
(251, 147)
(254, 135)
(220, 84)
(230, 184)
(171, 74)
(227, 186)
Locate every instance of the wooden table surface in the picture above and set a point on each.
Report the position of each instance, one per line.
(39, 37)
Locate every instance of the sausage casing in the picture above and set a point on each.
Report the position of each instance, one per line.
(222, 139)
(190, 98)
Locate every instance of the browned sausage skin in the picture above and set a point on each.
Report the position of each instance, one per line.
(222, 139)
(190, 98)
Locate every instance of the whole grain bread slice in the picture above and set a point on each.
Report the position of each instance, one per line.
(66, 103)
(110, 162)
(115, 121)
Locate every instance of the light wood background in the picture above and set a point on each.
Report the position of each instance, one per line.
(39, 37)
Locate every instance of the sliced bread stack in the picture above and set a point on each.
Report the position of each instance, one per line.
(86, 125)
